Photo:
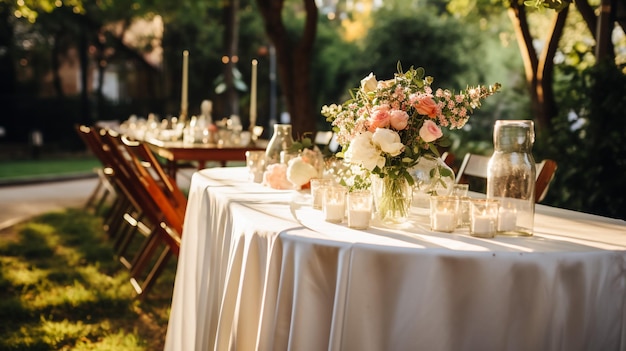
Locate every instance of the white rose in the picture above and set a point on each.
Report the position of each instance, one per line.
(388, 141)
(363, 152)
(300, 172)
(369, 83)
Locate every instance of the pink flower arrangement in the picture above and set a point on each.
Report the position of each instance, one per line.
(388, 125)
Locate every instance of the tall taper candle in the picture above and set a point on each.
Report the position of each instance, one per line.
(253, 94)
(184, 104)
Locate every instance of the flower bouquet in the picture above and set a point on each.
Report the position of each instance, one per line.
(387, 126)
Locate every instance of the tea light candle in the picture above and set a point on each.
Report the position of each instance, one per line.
(334, 211)
(317, 191)
(483, 218)
(444, 221)
(359, 219)
(507, 219)
(359, 209)
(483, 225)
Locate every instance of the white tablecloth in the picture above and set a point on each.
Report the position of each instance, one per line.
(252, 277)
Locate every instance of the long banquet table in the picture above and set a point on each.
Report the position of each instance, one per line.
(176, 151)
(260, 270)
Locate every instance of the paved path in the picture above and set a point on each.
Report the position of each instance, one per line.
(21, 202)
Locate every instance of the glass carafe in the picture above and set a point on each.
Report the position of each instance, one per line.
(511, 176)
(281, 140)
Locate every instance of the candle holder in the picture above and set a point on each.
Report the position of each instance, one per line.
(507, 216)
(359, 209)
(483, 217)
(443, 213)
(334, 203)
(255, 161)
(463, 215)
(317, 187)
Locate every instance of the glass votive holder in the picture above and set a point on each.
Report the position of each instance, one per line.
(507, 217)
(463, 215)
(483, 217)
(359, 209)
(460, 190)
(255, 162)
(317, 187)
(334, 203)
(443, 213)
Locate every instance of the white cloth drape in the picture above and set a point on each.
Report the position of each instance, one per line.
(255, 273)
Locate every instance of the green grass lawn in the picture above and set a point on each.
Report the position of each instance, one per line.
(21, 169)
(62, 288)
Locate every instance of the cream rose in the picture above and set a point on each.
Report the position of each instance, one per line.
(300, 172)
(430, 131)
(363, 152)
(369, 83)
(388, 141)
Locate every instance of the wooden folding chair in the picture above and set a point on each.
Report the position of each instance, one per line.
(105, 187)
(157, 223)
(113, 219)
(473, 171)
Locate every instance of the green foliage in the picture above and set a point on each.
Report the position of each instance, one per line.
(422, 39)
(334, 67)
(586, 141)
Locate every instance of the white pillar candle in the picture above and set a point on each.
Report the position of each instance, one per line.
(253, 84)
(507, 219)
(444, 221)
(183, 100)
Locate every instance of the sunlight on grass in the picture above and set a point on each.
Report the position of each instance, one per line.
(70, 295)
(62, 288)
(19, 273)
(112, 342)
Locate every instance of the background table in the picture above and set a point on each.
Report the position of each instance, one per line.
(252, 277)
(176, 151)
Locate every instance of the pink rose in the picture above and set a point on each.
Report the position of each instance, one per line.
(430, 131)
(380, 117)
(399, 119)
(427, 106)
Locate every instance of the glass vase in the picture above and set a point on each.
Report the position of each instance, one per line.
(281, 140)
(392, 199)
(432, 176)
(511, 176)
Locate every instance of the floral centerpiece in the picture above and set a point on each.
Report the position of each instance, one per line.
(387, 126)
(299, 164)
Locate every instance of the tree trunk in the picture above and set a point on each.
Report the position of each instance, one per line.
(56, 52)
(231, 42)
(83, 46)
(294, 62)
(539, 71)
